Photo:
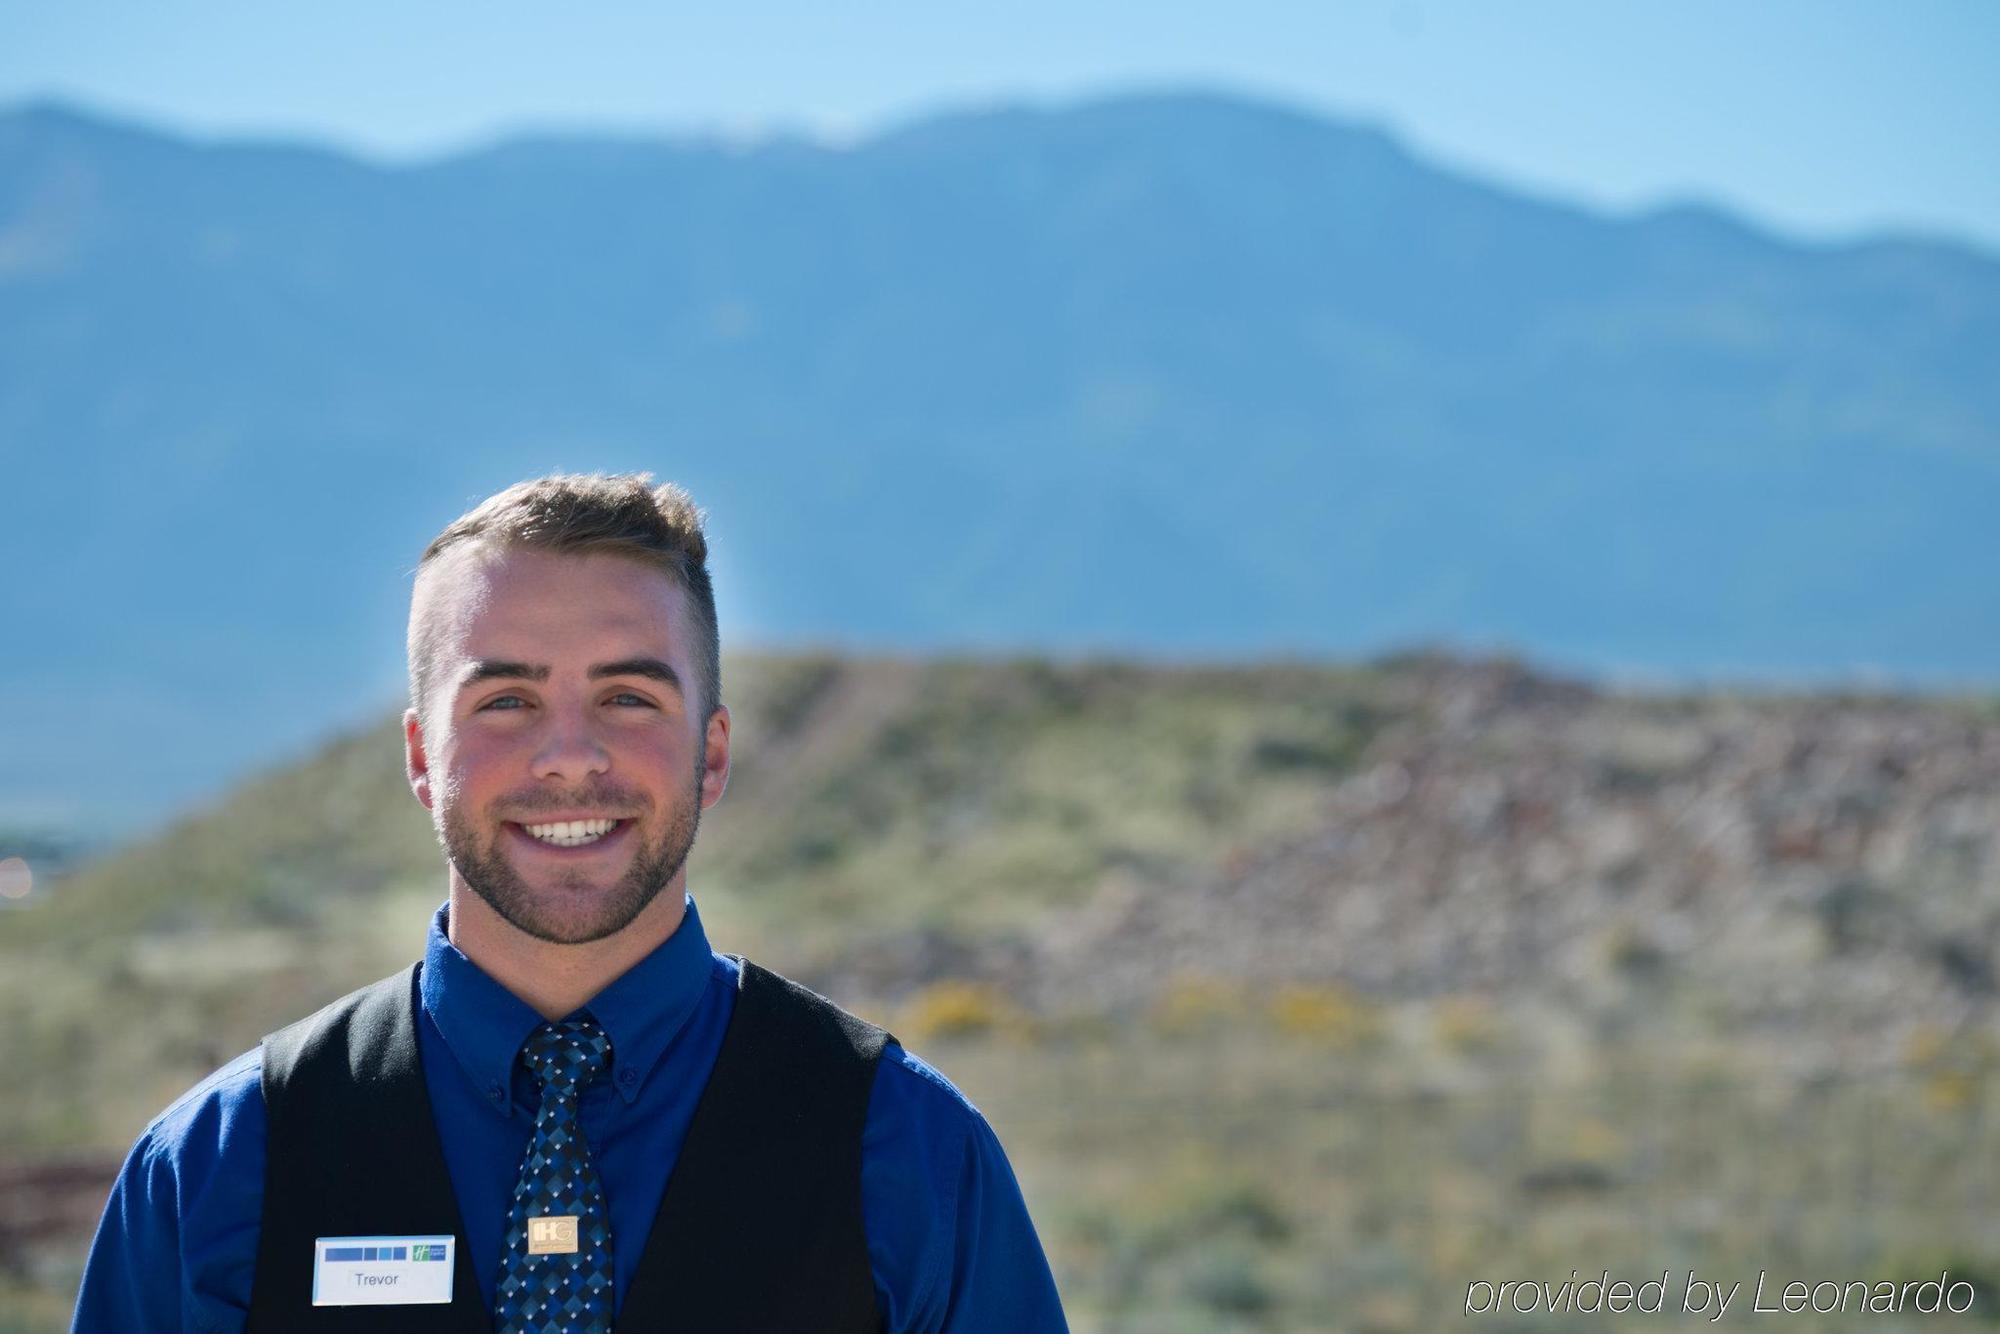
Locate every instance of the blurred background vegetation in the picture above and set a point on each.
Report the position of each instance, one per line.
(1301, 996)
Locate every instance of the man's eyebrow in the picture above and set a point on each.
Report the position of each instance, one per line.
(502, 669)
(497, 669)
(652, 668)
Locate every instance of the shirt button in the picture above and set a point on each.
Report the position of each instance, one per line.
(627, 1078)
(495, 1092)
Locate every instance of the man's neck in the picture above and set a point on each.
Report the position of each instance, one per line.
(558, 979)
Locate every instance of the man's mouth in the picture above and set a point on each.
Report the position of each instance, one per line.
(570, 833)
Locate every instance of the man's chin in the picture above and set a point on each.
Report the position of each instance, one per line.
(569, 919)
(564, 931)
(568, 905)
(571, 912)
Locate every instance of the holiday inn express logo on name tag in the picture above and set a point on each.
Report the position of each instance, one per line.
(382, 1271)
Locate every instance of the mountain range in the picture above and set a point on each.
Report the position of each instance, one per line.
(1181, 376)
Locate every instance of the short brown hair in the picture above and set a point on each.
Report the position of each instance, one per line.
(623, 514)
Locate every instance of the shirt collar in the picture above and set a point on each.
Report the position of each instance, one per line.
(642, 1011)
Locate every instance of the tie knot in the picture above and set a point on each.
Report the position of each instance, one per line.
(566, 1056)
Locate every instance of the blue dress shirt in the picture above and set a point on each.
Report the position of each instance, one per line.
(949, 1238)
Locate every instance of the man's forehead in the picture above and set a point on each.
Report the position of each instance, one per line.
(474, 593)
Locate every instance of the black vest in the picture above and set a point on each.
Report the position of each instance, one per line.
(759, 1230)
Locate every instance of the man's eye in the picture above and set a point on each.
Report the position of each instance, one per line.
(622, 695)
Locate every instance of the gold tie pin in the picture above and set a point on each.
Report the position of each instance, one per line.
(555, 1235)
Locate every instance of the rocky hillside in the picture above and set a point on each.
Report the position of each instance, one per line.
(1237, 926)
(1820, 872)
(1089, 840)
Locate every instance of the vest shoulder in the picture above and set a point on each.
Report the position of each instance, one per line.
(777, 991)
(382, 1004)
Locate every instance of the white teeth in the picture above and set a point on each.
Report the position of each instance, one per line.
(571, 833)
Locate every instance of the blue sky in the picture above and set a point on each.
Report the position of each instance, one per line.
(1825, 118)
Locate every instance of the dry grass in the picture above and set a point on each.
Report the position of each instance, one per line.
(1227, 1151)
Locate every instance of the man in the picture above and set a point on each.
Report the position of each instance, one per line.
(571, 1114)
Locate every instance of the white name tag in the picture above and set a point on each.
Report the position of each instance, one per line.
(382, 1271)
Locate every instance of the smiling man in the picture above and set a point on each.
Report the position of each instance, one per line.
(571, 1114)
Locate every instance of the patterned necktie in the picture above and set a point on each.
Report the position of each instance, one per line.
(555, 1261)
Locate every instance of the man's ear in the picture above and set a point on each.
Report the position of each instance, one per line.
(416, 764)
(715, 757)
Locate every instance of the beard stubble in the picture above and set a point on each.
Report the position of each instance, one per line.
(490, 875)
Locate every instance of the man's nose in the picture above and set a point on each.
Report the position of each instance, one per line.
(571, 749)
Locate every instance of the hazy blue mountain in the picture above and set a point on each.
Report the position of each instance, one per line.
(1161, 375)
